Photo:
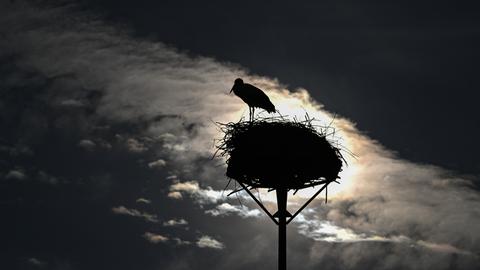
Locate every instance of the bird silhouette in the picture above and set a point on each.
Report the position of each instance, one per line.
(253, 96)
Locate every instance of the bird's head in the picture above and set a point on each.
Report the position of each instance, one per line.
(237, 83)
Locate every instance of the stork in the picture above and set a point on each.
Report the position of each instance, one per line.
(253, 96)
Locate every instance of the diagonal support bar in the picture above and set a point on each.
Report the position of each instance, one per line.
(259, 203)
(307, 203)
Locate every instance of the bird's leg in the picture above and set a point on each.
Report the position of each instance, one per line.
(253, 113)
(250, 113)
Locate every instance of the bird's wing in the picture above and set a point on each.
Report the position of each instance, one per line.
(254, 91)
(258, 98)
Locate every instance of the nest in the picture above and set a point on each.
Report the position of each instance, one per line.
(276, 153)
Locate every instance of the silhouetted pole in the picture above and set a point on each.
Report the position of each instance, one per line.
(282, 228)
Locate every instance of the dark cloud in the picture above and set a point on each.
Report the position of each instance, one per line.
(88, 111)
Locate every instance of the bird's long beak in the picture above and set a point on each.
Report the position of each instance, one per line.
(231, 90)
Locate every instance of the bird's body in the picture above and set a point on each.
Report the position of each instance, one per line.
(253, 96)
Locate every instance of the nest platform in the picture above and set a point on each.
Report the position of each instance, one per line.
(276, 153)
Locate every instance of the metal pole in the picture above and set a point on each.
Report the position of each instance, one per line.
(282, 228)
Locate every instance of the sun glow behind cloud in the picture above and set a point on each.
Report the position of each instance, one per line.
(367, 162)
(299, 106)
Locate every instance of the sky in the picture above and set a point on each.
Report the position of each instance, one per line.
(108, 115)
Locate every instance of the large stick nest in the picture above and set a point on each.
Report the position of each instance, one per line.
(277, 153)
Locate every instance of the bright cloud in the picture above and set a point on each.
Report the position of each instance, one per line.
(208, 242)
(122, 210)
(143, 200)
(155, 238)
(157, 164)
(175, 222)
(193, 189)
(226, 209)
(17, 174)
